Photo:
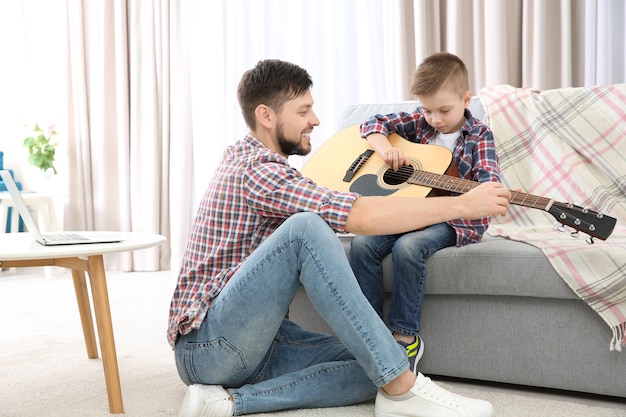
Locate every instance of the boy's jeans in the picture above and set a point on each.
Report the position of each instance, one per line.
(269, 363)
(409, 253)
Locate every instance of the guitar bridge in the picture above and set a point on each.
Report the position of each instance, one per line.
(357, 164)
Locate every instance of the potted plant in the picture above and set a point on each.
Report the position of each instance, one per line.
(41, 149)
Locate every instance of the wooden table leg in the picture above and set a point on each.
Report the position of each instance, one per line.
(105, 332)
(84, 309)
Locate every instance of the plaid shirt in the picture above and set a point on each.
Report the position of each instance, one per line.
(474, 154)
(252, 192)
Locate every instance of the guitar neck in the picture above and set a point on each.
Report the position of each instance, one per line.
(461, 186)
(347, 163)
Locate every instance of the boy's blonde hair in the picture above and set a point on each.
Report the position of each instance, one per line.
(441, 69)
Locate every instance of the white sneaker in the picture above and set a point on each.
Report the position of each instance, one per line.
(206, 401)
(427, 399)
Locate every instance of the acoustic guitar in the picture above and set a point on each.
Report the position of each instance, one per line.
(346, 162)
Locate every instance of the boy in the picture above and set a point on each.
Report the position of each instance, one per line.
(441, 85)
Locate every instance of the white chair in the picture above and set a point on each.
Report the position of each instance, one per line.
(42, 207)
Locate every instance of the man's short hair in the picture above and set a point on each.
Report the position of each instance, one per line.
(271, 82)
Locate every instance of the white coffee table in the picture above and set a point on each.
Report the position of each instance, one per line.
(20, 250)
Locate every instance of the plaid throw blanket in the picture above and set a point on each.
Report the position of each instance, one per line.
(569, 145)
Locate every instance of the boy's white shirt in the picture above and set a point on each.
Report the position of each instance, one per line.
(446, 139)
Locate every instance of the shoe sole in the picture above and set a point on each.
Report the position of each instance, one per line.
(190, 398)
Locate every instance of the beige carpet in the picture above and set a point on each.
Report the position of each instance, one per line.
(44, 370)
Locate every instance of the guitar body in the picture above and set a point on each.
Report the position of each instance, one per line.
(328, 165)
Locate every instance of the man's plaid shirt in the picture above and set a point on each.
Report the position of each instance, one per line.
(252, 192)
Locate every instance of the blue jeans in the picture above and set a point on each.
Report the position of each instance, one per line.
(409, 253)
(269, 363)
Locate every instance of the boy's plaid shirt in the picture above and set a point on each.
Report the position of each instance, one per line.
(475, 156)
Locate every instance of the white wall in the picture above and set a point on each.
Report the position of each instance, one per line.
(31, 79)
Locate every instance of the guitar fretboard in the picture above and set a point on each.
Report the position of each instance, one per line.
(461, 186)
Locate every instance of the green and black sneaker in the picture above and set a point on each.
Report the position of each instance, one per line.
(414, 352)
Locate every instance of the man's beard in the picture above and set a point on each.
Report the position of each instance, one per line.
(288, 147)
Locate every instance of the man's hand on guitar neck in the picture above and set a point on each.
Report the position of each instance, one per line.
(486, 199)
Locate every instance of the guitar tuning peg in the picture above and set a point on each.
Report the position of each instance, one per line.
(560, 228)
(574, 234)
(590, 240)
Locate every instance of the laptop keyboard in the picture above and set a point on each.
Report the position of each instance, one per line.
(59, 237)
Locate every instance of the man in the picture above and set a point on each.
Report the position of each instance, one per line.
(261, 232)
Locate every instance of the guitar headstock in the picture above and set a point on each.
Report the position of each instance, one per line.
(584, 220)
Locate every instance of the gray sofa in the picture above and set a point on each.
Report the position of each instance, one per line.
(497, 311)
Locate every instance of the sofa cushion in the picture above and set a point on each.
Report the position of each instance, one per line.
(495, 266)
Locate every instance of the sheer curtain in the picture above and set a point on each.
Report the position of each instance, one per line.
(153, 97)
(348, 60)
(118, 122)
(343, 45)
(605, 42)
(151, 85)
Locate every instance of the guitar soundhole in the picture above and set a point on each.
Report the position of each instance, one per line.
(398, 177)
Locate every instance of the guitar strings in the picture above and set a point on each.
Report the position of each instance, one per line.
(411, 175)
(406, 173)
(464, 185)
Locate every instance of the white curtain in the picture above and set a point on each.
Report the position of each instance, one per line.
(151, 85)
(153, 97)
(118, 122)
(342, 44)
(605, 42)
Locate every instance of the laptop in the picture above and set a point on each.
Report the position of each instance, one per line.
(53, 238)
